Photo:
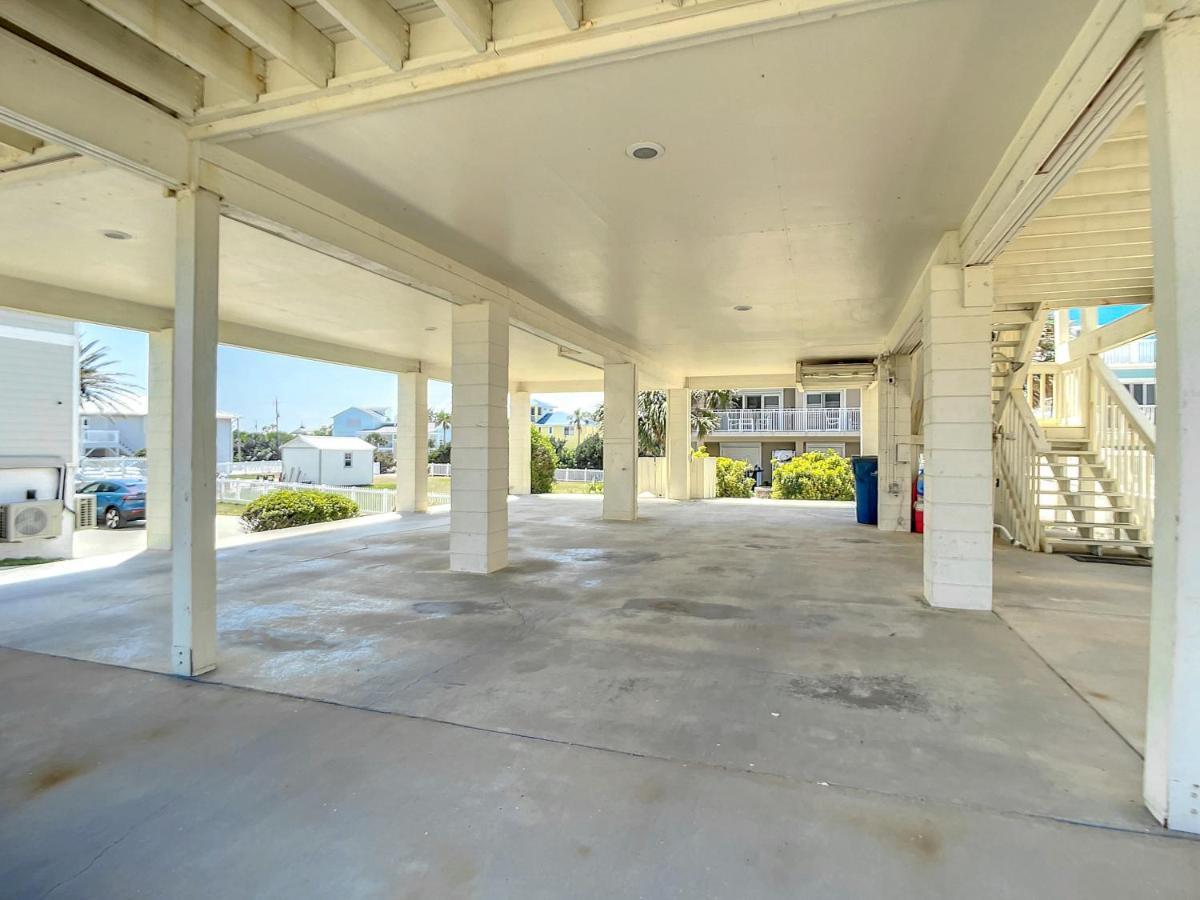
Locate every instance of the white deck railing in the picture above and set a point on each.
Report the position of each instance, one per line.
(98, 437)
(92, 468)
(440, 469)
(1125, 441)
(843, 420)
(256, 467)
(1143, 351)
(1018, 455)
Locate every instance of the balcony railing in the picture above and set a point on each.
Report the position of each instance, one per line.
(94, 438)
(793, 421)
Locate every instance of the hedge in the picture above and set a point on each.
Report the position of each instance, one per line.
(542, 462)
(817, 475)
(289, 507)
(732, 480)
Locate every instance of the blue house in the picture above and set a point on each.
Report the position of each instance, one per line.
(354, 420)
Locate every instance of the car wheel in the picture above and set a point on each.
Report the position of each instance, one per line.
(112, 518)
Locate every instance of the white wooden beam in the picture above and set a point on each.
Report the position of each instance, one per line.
(193, 39)
(91, 37)
(15, 141)
(381, 29)
(48, 97)
(275, 25)
(571, 12)
(473, 19)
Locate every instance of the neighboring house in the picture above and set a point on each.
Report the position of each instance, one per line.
(539, 408)
(358, 420)
(39, 403)
(560, 425)
(764, 427)
(337, 461)
(1135, 364)
(119, 429)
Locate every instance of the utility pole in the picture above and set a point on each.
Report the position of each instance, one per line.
(277, 456)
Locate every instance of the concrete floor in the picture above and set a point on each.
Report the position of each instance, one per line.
(722, 699)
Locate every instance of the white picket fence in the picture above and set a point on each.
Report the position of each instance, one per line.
(369, 500)
(579, 476)
(258, 467)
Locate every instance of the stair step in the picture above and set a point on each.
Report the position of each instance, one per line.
(1103, 509)
(1064, 523)
(1006, 344)
(1098, 542)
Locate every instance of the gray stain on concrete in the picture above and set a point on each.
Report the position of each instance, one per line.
(679, 607)
(279, 641)
(894, 692)
(439, 609)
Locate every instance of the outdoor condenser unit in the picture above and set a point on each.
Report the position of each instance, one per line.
(30, 520)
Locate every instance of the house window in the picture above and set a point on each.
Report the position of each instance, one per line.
(759, 400)
(823, 399)
(348, 460)
(1144, 393)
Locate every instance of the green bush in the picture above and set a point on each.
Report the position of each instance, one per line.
(289, 507)
(542, 462)
(440, 454)
(590, 453)
(819, 475)
(732, 480)
(595, 487)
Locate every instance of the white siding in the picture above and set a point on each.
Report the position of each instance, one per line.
(39, 403)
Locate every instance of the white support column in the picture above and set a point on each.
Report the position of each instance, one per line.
(158, 440)
(895, 447)
(479, 450)
(869, 425)
(412, 442)
(620, 442)
(519, 448)
(194, 435)
(679, 443)
(1171, 781)
(958, 443)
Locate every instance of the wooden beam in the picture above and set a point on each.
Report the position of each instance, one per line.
(285, 33)
(380, 28)
(79, 31)
(192, 38)
(18, 141)
(473, 19)
(48, 97)
(571, 12)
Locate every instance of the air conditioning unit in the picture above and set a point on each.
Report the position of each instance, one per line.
(30, 520)
(815, 376)
(85, 511)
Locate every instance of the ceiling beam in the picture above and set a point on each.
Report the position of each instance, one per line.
(48, 165)
(571, 12)
(91, 37)
(381, 29)
(739, 382)
(48, 97)
(472, 18)
(192, 38)
(286, 34)
(16, 141)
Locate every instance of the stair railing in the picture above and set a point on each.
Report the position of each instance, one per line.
(1017, 453)
(1124, 439)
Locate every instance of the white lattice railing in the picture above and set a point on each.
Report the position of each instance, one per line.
(1124, 438)
(842, 420)
(1018, 454)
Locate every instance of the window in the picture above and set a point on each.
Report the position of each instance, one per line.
(759, 400)
(348, 460)
(1144, 393)
(823, 399)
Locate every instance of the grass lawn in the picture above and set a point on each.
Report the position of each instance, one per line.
(230, 509)
(570, 487)
(24, 561)
(438, 484)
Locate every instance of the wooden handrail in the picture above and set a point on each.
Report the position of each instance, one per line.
(1124, 400)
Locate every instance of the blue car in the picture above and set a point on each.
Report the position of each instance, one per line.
(118, 502)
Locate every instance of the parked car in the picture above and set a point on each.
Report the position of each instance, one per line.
(117, 502)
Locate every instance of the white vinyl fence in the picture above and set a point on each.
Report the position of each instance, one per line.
(94, 468)
(579, 476)
(440, 469)
(261, 467)
(369, 500)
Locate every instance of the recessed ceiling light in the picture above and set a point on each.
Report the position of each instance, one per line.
(743, 308)
(115, 235)
(431, 328)
(645, 150)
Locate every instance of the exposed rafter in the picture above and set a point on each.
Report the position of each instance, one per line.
(571, 12)
(473, 19)
(93, 38)
(381, 29)
(284, 32)
(190, 37)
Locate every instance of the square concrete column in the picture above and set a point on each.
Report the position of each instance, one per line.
(620, 442)
(194, 435)
(158, 440)
(895, 447)
(679, 443)
(520, 480)
(957, 429)
(869, 423)
(479, 451)
(1171, 781)
(412, 442)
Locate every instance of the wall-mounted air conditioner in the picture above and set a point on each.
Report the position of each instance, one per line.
(814, 376)
(31, 519)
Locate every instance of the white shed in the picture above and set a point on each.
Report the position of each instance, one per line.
(338, 461)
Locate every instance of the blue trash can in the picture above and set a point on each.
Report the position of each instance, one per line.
(866, 488)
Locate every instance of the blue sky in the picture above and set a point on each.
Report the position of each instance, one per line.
(309, 392)
(1106, 314)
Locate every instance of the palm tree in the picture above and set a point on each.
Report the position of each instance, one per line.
(652, 417)
(96, 383)
(441, 419)
(579, 418)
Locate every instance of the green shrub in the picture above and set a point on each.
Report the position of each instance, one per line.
(590, 453)
(289, 507)
(732, 480)
(595, 487)
(819, 475)
(440, 454)
(542, 462)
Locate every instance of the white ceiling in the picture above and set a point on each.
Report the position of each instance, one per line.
(53, 233)
(809, 172)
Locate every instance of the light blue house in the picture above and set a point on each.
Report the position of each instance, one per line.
(355, 420)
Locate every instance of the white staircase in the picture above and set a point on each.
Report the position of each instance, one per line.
(1015, 331)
